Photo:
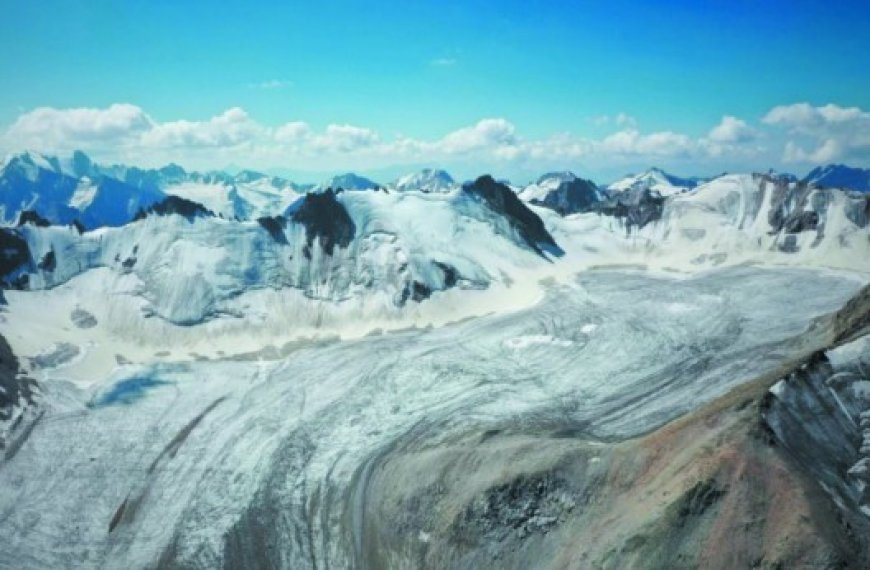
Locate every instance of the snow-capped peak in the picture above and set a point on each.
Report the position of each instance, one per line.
(556, 178)
(30, 162)
(658, 180)
(545, 184)
(426, 180)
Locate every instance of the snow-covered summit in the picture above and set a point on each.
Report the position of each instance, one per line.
(564, 192)
(426, 180)
(545, 184)
(657, 180)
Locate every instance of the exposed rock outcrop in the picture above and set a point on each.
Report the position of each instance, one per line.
(571, 197)
(274, 225)
(17, 394)
(32, 217)
(503, 201)
(183, 207)
(636, 207)
(326, 219)
(15, 259)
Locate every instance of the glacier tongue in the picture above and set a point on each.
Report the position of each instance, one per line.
(186, 462)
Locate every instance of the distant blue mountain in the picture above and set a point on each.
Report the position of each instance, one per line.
(65, 193)
(349, 181)
(840, 176)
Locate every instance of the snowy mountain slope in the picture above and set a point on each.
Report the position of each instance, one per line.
(738, 218)
(243, 197)
(426, 180)
(658, 180)
(739, 215)
(840, 176)
(545, 184)
(160, 276)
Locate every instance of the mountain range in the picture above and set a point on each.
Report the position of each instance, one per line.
(76, 189)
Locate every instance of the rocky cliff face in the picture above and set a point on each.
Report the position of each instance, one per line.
(325, 219)
(18, 395)
(504, 202)
(635, 207)
(571, 197)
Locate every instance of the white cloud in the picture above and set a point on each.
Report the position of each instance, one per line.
(827, 151)
(487, 133)
(293, 132)
(345, 139)
(804, 116)
(125, 132)
(231, 128)
(732, 130)
(50, 128)
(830, 131)
(632, 142)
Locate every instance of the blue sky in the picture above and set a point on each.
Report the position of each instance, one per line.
(423, 70)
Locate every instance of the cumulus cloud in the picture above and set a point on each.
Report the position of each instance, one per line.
(828, 150)
(804, 116)
(487, 133)
(50, 128)
(293, 132)
(345, 139)
(122, 131)
(732, 130)
(632, 142)
(231, 128)
(822, 134)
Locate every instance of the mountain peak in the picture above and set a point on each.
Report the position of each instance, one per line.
(556, 177)
(840, 176)
(349, 181)
(31, 162)
(425, 180)
(657, 179)
(80, 164)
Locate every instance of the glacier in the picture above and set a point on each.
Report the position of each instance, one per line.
(191, 470)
